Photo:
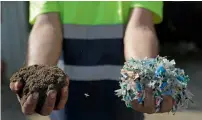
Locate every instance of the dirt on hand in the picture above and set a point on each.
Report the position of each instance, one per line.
(41, 79)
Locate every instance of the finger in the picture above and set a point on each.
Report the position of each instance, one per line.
(16, 86)
(30, 104)
(49, 103)
(138, 107)
(167, 104)
(12, 86)
(149, 103)
(63, 98)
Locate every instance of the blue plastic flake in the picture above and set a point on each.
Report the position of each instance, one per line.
(169, 92)
(161, 75)
(138, 86)
(163, 85)
(160, 71)
(140, 100)
(180, 78)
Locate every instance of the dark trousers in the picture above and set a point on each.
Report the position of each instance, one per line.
(101, 104)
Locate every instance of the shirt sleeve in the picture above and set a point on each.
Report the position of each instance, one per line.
(40, 7)
(156, 7)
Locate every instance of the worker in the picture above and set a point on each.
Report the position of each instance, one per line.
(90, 41)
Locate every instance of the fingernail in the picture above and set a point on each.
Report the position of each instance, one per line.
(16, 85)
(35, 95)
(11, 86)
(52, 94)
(65, 89)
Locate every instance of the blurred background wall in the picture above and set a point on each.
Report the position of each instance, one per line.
(14, 34)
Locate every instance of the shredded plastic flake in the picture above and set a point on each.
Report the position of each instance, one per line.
(159, 74)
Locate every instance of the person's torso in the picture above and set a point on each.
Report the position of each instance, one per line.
(93, 39)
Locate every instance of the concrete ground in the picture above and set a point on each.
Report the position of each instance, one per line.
(10, 109)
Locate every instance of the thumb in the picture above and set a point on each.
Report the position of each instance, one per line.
(16, 86)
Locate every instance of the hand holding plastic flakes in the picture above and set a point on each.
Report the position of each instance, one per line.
(159, 74)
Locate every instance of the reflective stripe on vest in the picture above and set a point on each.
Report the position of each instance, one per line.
(93, 32)
(89, 73)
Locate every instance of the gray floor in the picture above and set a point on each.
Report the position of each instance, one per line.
(11, 109)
